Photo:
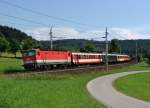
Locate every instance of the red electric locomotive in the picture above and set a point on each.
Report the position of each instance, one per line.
(44, 59)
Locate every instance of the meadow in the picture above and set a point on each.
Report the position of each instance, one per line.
(8, 63)
(50, 91)
(137, 85)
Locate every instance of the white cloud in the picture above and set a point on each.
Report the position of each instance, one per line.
(132, 33)
(42, 33)
(125, 33)
(61, 32)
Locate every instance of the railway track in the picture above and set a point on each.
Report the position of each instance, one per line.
(73, 70)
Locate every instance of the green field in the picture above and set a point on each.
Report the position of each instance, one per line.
(50, 91)
(137, 85)
(10, 64)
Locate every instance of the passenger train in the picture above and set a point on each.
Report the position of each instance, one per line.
(40, 59)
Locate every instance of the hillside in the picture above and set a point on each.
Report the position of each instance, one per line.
(17, 39)
(127, 46)
(13, 34)
(72, 44)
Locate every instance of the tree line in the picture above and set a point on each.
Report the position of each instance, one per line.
(13, 40)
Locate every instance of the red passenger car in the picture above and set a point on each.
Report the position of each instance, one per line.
(86, 58)
(43, 59)
(123, 58)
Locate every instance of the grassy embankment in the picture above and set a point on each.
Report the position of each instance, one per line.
(8, 63)
(51, 91)
(137, 85)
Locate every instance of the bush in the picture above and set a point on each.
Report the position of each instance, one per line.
(148, 57)
(4, 45)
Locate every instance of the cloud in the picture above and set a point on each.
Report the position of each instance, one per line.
(125, 33)
(42, 33)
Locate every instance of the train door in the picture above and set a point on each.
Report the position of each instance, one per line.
(45, 58)
(100, 58)
(76, 59)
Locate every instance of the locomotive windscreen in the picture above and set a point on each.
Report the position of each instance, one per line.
(28, 53)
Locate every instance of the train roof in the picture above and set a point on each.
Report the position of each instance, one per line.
(115, 54)
(82, 53)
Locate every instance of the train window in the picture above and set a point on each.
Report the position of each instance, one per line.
(91, 57)
(79, 57)
(29, 53)
(87, 57)
(100, 56)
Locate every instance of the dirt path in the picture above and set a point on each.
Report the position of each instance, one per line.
(101, 88)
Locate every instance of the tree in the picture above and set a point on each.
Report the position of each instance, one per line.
(114, 45)
(4, 45)
(1, 34)
(29, 44)
(14, 47)
(89, 47)
(148, 57)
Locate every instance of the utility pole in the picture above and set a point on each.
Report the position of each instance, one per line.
(106, 37)
(51, 38)
(141, 52)
(106, 49)
(136, 52)
(120, 47)
(120, 50)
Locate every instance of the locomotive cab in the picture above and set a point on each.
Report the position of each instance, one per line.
(29, 59)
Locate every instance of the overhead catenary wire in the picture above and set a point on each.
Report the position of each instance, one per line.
(46, 15)
(37, 12)
(43, 24)
(23, 19)
(38, 23)
(15, 25)
(56, 32)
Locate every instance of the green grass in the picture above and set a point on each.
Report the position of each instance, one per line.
(18, 54)
(52, 91)
(137, 85)
(10, 64)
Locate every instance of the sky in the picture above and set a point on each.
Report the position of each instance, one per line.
(125, 19)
